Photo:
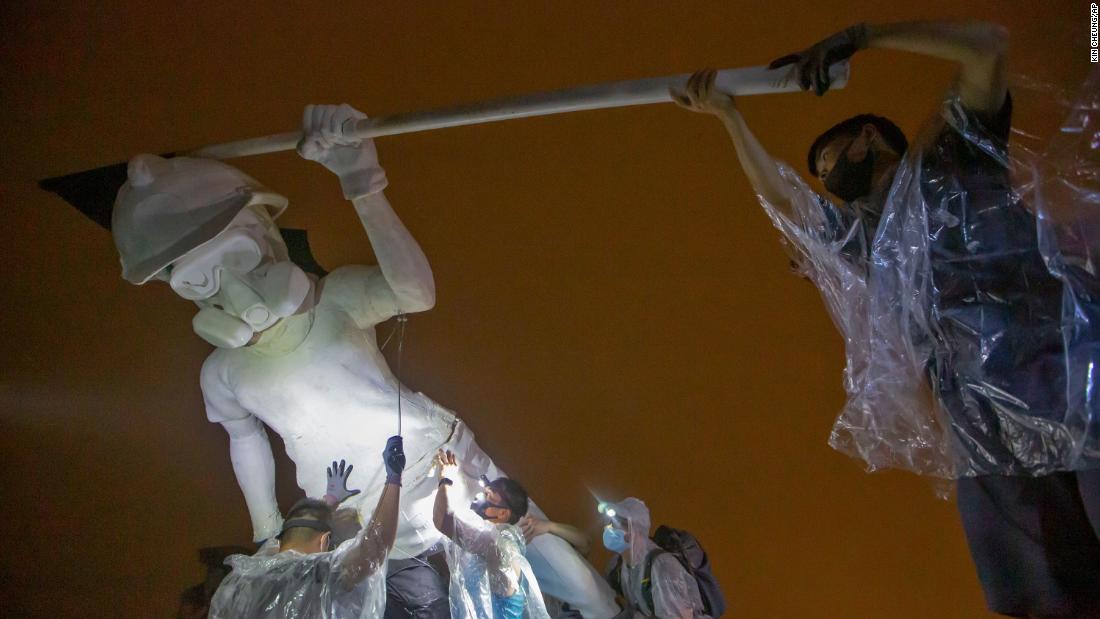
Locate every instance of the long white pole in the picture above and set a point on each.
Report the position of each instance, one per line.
(745, 81)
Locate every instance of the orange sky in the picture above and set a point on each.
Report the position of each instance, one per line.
(614, 311)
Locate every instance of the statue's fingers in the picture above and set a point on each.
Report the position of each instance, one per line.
(708, 80)
(679, 98)
(693, 84)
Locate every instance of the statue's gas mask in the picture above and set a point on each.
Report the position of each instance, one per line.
(241, 280)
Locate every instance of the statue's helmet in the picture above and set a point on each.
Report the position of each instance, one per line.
(168, 207)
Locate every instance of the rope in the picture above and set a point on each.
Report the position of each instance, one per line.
(401, 319)
(389, 337)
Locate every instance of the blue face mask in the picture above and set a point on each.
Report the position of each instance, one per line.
(614, 539)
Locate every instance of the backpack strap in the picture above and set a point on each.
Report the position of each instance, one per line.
(615, 575)
(647, 581)
(682, 560)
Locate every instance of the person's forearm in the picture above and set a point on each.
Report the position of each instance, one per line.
(571, 534)
(979, 47)
(441, 512)
(958, 41)
(403, 263)
(376, 539)
(759, 167)
(385, 517)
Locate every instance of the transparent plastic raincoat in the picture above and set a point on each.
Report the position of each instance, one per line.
(975, 275)
(674, 592)
(272, 584)
(490, 577)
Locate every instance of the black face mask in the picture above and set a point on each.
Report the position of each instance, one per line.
(479, 508)
(848, 180)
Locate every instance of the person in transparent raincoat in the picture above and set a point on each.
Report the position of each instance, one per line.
(298, 575)
(937, 272)
(668, 591)
(490, 577)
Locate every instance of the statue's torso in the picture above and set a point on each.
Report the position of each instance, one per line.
(319, 380)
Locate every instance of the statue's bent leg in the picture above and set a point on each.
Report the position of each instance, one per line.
(565, 575)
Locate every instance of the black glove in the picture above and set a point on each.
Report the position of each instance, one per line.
(394, 458)
(813, 62)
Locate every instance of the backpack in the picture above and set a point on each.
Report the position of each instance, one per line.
(690, 553)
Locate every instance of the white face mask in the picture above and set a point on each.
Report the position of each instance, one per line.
(239, 284)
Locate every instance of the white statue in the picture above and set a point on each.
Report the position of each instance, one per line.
(299, 353)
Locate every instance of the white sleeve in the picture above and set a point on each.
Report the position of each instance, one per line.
(363, 293)
(221, 404)
(675, 592)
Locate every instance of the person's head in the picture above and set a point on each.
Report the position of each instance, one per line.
(208, 230)
(854, 156)
(505, 501)
(345, 525)
(307, 528)
(627, 528)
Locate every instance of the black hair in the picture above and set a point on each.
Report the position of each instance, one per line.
(307, 509)
(345, 525)
(514, 496)
(851, 127)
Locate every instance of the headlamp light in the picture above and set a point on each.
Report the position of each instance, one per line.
(606, 509)
(612, 516)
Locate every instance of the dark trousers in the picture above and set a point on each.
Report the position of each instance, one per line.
(1035, 542)
(417, 588)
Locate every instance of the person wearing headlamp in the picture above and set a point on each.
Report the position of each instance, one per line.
(490, 576)
(653, 583)
(300, 574)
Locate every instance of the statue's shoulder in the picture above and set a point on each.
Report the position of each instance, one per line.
(213, 368)
(347, 283)
(349, 274)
